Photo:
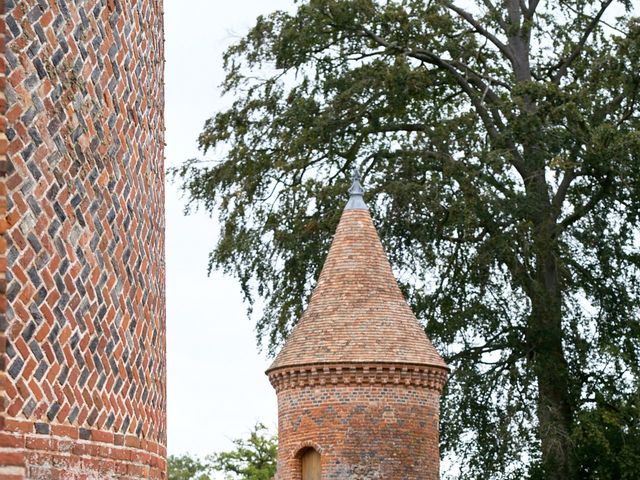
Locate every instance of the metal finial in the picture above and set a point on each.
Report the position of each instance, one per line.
(355, 174)
(356, 192)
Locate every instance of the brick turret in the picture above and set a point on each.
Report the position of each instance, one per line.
(82, 312)
(358, 381)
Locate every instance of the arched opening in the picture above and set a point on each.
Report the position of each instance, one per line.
(310, 464)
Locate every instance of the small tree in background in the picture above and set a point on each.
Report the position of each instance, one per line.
(253, 458)
(186, 467)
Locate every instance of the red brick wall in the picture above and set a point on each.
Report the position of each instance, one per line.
(83, 365)
(368, 423)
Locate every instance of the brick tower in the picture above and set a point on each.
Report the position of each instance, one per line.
(358, 381)
(82, 333)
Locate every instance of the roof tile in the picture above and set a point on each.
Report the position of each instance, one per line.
(357, 313)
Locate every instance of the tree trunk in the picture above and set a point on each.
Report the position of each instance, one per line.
(544, 337)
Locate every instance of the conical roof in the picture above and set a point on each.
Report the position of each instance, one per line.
(357, 313)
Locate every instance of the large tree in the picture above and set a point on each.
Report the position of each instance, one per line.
(499, 142)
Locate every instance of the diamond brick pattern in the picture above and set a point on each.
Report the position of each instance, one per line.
(358, 380)
(84, 329)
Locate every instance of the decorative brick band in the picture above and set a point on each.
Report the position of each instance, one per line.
(43, 450)
(422, 376)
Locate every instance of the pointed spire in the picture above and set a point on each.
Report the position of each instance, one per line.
(357, 312)
(356, 192)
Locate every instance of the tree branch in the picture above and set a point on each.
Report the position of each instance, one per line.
(563, 65)
(433, 59)
(490, 117)
(463, 239)
(464, 84)
(601, 113)
(476, 352)
(524, 9)
(513, 8)
(533, 5)
(561, 193)
(479, 75)
(629, 110)
(490, 120)
(581, 211)
(399, 127)
(482, 30)
(498, 15)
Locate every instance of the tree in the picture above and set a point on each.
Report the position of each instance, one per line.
(186, 467)
(253, 458)
(500, 146)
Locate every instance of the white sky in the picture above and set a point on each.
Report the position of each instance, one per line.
(216, 384)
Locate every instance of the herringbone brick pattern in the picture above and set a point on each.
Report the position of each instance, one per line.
(85, 322)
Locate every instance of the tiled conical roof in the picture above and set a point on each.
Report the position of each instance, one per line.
(357, 313)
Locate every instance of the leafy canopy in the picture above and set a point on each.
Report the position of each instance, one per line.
(500, 148)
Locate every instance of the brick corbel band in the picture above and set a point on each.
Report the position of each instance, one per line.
(424, 376)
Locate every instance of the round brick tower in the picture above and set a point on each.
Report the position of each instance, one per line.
(82, 333)
(358, 381)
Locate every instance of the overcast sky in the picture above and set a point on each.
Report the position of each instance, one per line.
(216, 384)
